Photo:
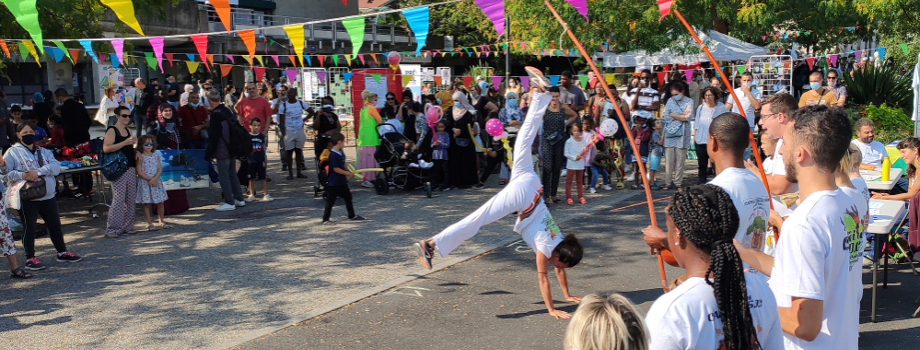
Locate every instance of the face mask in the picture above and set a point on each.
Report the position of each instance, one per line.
(815, 86)
(457, 104)
(475, 96)
(746, 84)
(246, 94)
(512, 102)
(28, 139)
(831, 83)
(511, 84)
(329, 107)
(677, 97)
(194, 105)
(439, 101)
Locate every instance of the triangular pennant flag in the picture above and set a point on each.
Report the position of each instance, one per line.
(811, 62)
(554, 80)
(295, 33)
(88, 47)
(309, 61)
(321, 76)
(660, 77)
(496, 81)
(222, 7)
(210, 61)
(74, 55)
(355, 28)
(275, 58)
(57, 53)
(437, 80)
(418, 22)
(608, 78)
(361, 57)
(249, 38)
(23, 51)
(201, 43)
(191, 57)
(157, 44)
(583, 79)
(101, 57)
(688, 73)
(151, 61)
(881, 53)
(225, 69)
(406, 79)
(904, 48)
(376, 77)
(374, 56)
(112, 56)
(31, 48)
(6, 49)
(335, 60)
(26, 14)
(858, 55)
(259, 71)
(525, 82)
(763, 38)
(169, 58)
(291, 75)
(119, 46)
(581, 6)
(347, 59)
(321, 58)
(192, 66)
(832, 59)
(467, 81)
(259, 58)
(741, 69)
(248, 59)
(495, 11)
(124, 9)
(346, 77)
(294, 60)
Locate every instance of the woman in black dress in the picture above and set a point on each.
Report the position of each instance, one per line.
(389, 107)
(557, 117)
(462, 152)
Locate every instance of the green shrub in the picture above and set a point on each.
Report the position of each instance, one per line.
(890, 123)
(877, 85)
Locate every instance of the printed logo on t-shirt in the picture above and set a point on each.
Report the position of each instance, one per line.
(256, 144)
(854, 236)
(550, 225)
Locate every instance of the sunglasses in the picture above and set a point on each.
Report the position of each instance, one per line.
(391, 99)
(125, 115)
(148, 144)
(829, 78)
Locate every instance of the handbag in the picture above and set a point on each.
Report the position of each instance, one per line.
(674, 129)
(554, 138)
(463, 142)
(113, 165)
(34, 190)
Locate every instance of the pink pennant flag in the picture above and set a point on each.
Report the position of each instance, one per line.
(230, 57)
(291, 74)
(664, 6)
(858, 55)
(275, 57)
(201, 43)
(157, 44)
(811, 62)
(119, 46)
(525, 82)
(496, 81)
(321, 75)
(361, 56)
(688, 73)
(582, 7)
(495, 10)
(832, 59)
(763, 38)
(260, 72)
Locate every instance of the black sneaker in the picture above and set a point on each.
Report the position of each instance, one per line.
(68, 257)
(357, 218)
(33, 264)
(479, 185)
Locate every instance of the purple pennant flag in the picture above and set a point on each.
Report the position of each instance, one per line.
(581, 6)
(496, 81)
(291, 74)
(321, 76)
(833, 59)
(495, 10)
(689, 74)
(525, 82)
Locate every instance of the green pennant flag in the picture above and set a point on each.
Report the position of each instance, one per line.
(271, 42)
(541, 45)
(376, 77)
(151, 61)
(355, 29)
(335, 59)
(904, 48)
(583, 79)
(741, 69)
(61, 46)
(23, 51)
(26, 14)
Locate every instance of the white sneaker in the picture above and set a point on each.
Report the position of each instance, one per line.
(607, 188)
(250, 198)
(367, 184)
(564, 173)
(240, 203)
(592, 190)
(267, 198)
(225, 207)
(631, 177)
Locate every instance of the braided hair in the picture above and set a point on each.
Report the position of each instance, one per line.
(706, 216)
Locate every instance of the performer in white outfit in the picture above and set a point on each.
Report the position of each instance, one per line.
(523, 196)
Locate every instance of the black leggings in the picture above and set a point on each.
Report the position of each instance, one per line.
(333, 192)
(703, 161)
(441, 172)
(491, 163)
(553, 161)
(48, 209)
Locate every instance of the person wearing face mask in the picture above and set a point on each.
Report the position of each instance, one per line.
(404, 114)
(462, 152)
(194, 117)
(326, 123)
(629, 95)
(26, 162)
(511, 115)
(514, 85)
(678, 113)
(749, 96)
(818, 95)
(230, 97)
(368, 119)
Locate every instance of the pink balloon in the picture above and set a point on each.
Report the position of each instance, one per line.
(494, 127)
(393, 58)
(432, 115)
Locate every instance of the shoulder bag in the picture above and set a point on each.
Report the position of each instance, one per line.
(34, 190)
(113, 165)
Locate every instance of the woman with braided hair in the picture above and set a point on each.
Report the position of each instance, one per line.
(715, 305)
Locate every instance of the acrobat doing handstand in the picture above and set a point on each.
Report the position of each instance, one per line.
(522, 196)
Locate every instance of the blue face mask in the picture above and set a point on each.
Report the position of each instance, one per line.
(475, 96)
(246, 94)
(815, 86)
(512, 102)
(194, 105)
(457, 104)
(439, 101)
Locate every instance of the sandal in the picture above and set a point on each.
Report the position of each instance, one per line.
(569, 202)
(620, 186)
(111, 235)
(131, 232)
(164, 226)
(328, 223)
(152, 227)
(19, 273)
(666, 187)
(582, 200)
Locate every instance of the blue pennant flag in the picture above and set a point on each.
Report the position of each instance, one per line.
(554, 79)
(418, 22)
(88, 46)
(114, 59)
(191, 56)
(346, 77)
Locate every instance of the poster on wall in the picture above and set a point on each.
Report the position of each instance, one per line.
(184, 169)
(110, 77)
(444, 72)
(377, 87)
(415, 85)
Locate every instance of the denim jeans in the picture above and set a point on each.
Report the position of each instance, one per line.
(229, 182)
(595, 170)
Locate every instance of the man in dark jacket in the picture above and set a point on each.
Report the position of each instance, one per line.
(75, 123)
(218, 137)
(145, 97)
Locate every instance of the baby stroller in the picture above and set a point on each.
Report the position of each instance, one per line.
(395, 169)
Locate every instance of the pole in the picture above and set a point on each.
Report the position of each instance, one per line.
(629, 135)
(507, 53)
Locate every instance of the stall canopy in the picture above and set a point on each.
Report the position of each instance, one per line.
(723, 48)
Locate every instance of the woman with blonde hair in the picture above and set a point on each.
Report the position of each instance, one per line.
(606, 323)
(367, 136)
(107, 105)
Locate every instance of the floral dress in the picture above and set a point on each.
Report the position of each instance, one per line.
(7, 244)
(147, 194)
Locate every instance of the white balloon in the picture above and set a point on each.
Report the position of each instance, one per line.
(609, 127)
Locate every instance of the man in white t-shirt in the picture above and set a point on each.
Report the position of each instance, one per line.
(291, 114)
(812, 272)
(646, 101)
(773, 121)
(750, 98)
(873, 152)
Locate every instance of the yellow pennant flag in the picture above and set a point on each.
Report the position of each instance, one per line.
(347, 59)
(608, 78)
(124, 9)
(295, 33)
(406, 79)
(192, 66)
(31, 48)
(259, 58)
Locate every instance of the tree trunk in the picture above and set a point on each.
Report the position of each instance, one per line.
(718, 24)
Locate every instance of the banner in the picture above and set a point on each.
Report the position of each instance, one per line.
(201, 43)
(222, 7)
(249, 38)
(295, 33)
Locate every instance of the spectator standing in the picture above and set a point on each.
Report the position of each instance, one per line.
(709, 109)
(694, 88)
(144, 97)
(256, 160)
(326, 123)
(405, 114)
(173, 93)
(819, 94)
(840, 91)
(75, 123)
(106, 113)
(194, 118)
(230, 97)
(169, 132)
(27, 163)
(291, 115)
(459, 119)
(183, 99)
(445, 97)
(677, 115)
(750, 98)
(555, 120)
(219, 133)
(42, 109)
(252, 105)
(124, 189)
(369, 118)
(647, 101)
(150, 190)
(571, 95)
(203, 89)
(440, 144)
(6, 128)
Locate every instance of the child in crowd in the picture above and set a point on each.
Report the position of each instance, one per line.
(413, 156)
(256, 161)
(606, 322)
(768, 145)
(41, 136)
(337, 180)
(7, 243)
(656, 151)
(56, 138)
(150, 189)
(642, 134)
(575, 164)
(599, 167)
(16, 114)
(439, 144)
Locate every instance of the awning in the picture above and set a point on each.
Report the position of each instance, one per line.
(723, 48)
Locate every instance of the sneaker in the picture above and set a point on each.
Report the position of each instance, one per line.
(479, 185)
(367, 184)
(68, 257)
(33, 264)
(607, 188)
(240, 203)
(250, 198)
(654, 187)
(357, 218)
(267, 198)
(537, 78)
(592, 190)
(445, 188)
(225, 207)
(424, 255)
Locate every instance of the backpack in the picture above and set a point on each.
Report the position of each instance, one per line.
(240, 143)
(284, 105)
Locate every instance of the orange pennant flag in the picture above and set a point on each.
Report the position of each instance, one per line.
(6, 49)
(293, 60)
(374, 56)
(225, 69)
(321, 59)
(74, 54)
(211, 59)
(437, 80)
(249, 38)
(222, 7)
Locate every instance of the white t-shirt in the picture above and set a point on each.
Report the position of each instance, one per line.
(647, 97)
(572, 149)
(779, 167)
(746, 103)
(872, 153)
(819, 257)
(293, 114)
(768, 165)
(688, 316)
(753, 204)
(628, 99)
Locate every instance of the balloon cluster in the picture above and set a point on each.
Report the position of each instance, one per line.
(495, 128)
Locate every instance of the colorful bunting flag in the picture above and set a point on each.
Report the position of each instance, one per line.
(832, 59)
(688, 73)
(437, 80)
(222, 7)
(335, 60)
(259, 58)
(355, 28)
(581, 6)
(741, 69)
(57, 53)
(376, 77)
(249, 38)
(119, 46)
(495, 11)
(858, 55)
(225, 69)
(88, 47)
(191, 57)
(608, 78)
(169, 58)
(525, 82)
(346, 77)
(496, 81)
(74, 55)
(881, 53)
(114, 58)
(23, 51)
(583, 79)
(124, 9)
(321, 76)
(275, 58)
(201, 43)
(554, 80)
(157, 44)
(6, 49)
(295, 33)
(192, 66)
(661, 76)
(904, 48)
(406, 79)
(418, 22)
(467, 81)
(151, 61)
(291, 74)
(210, 61)
(26, 14)
(811, 62)
(260, 72)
